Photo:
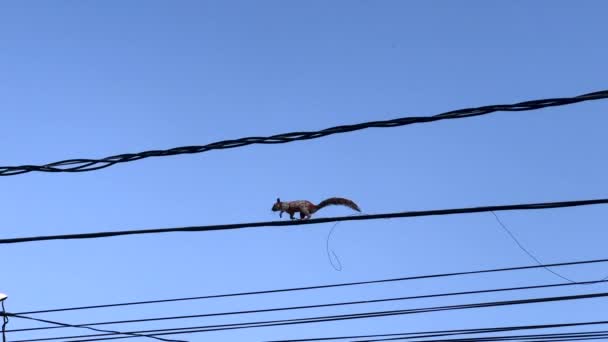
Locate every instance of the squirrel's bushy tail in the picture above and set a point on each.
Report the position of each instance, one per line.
(337, 201)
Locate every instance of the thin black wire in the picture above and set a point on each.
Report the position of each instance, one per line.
(525, 250)
(530, 254)
(4, 321)
(570, 336)
(84, 326)
(317, 287)
(436, 212)
(583, 338)
(82, 164)
(442, 333)
(331, 252)
(322, 319)
(452, 332)
(317, 306)
(552, 337)
(535, 337)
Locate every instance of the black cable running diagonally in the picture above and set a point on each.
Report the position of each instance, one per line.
(318, 287)
(86, 164)
(436, 212)
(322, 319)
(65, 325)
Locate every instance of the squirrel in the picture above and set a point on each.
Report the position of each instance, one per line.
(306, 208)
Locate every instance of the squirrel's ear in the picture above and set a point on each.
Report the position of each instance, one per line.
(278, 200)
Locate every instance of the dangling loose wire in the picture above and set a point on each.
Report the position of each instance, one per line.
(532, 255)
(331, 252)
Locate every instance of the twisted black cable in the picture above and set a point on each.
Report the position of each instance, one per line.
(85, 164)
(528, 206)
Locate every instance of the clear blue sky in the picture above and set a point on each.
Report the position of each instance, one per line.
(96, 78)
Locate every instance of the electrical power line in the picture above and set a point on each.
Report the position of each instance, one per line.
(325, 286)
(452, 332)
(436, 212)
(315, 306)
(408, 336)
(84, 326)
(320, 319)
(85, 164)
(553, 337)
(439, 333)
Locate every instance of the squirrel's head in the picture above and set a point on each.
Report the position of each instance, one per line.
(277, 205)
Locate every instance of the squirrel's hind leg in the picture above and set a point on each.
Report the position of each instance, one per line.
(304, 214)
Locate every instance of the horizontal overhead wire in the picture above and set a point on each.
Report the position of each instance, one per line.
(451, 332)
(86, 164)
(327, 286)
(315, 306)
(436, 212)
(547, 337)
(318, 319)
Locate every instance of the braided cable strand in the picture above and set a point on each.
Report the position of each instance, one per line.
(83, 165)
